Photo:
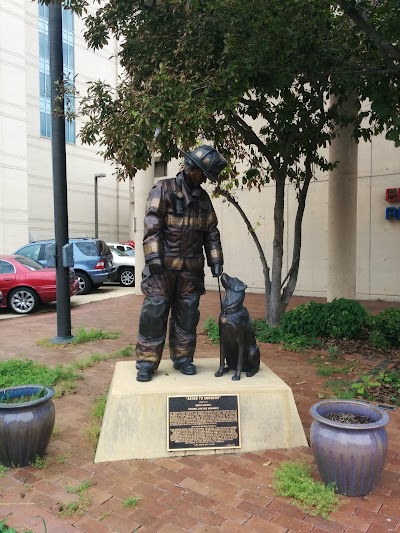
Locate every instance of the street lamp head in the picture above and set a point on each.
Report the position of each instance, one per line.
(101, 175)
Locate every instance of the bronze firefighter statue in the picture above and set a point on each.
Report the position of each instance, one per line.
(180, 222)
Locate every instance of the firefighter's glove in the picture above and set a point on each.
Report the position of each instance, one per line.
(216, 270)
(155, 266)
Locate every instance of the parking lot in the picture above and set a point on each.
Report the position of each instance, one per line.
(109, 290)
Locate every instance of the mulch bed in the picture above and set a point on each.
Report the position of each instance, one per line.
(361, 347)
(385, 360)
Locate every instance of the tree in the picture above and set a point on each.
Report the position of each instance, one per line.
(372, 54)
(215, 69)
(379, 21)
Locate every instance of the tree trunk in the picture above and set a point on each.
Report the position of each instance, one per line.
(277, 294)
(274, 303)
(294, 269)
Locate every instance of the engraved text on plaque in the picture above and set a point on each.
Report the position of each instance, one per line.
(198, 422)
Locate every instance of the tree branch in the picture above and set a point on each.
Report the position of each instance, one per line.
(267, 282)
(360, 19)
(250, 137)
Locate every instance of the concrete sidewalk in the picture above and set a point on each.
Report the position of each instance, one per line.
(105, 292)
(228, 493)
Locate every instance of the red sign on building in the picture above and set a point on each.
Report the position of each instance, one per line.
(392, 196)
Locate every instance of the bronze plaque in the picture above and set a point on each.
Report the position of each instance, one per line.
(203, 422)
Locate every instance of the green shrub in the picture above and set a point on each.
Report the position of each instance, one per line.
(387, 323)
(372, 386)
(306, 319)
(212, 330)
(377, 340)
(340, 318)
(298, 343)
(345, 318)
(266, 333)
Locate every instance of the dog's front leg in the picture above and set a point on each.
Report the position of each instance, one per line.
(220, 370)
(236, 375)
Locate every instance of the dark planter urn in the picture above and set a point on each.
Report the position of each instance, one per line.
(25, 428)
(350, 455)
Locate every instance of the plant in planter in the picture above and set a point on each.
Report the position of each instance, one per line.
(350, 443)
(27, 417)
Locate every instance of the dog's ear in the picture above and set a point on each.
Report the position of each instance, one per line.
(239, 286)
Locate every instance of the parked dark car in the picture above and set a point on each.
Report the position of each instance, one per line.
(25, 283)
(93, 260)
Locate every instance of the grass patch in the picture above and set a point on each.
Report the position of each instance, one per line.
(328, 370)
(3, 472)
(99, 407)
(333, 351)
(103, 516)
(82, 504)
(341, 388)
(96, 413)
(294, 481)
(125, 352)
(82, 335)
(132, 501)
(60, 459)
(22, 372)
(56, 431)
(39, 462)
(92, 335)
(63, 379)
(4, 528)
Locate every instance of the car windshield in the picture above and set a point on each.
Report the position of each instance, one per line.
(130, 252)
(28, 262)
(116, 251)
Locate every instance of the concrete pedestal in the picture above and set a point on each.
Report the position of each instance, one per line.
(135, 419)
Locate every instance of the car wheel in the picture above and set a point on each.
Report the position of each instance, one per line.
(23, 300)
(85, 283)
(127, 277)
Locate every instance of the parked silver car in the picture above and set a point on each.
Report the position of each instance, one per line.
(125, 267)
(121, 246)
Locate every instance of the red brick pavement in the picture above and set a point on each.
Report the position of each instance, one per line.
(227, 493)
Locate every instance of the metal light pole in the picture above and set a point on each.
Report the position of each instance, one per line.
(96, 205)
(59, 175)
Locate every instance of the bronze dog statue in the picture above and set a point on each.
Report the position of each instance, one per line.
(238, 346)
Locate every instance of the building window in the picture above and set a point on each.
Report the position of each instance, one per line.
(160, 169)
(44, 71)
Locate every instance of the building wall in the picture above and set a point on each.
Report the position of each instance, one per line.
(378, 251)
(26, 182)
(13, 125)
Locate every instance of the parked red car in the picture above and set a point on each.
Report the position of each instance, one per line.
(25, 283)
